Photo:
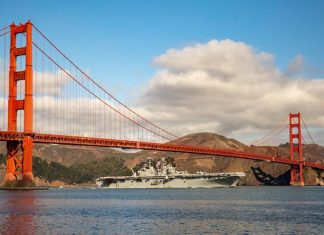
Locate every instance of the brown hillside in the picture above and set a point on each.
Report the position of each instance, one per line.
(70, 154)
(257, 172)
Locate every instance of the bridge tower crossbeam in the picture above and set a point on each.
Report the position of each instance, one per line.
(20, 140)
(19, 153)
(296, 148)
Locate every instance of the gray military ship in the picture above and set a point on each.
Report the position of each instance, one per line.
(164, 175)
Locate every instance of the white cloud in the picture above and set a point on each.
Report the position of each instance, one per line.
(44, 83)
(50, 83)
(224, 86)
(74, 116)
(229, 88)
(296, 65)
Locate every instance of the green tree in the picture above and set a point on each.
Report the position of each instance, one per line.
(79, 173)
(2, 158)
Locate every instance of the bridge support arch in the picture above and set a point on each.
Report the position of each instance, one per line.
(20, 153)
(296, 149)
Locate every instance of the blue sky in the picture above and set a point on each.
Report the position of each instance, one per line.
(117, 40)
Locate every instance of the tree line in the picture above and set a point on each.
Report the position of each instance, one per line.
(77, 173)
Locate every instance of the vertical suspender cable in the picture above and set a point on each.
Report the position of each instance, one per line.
(4, 82)
(20, 86)
(56, 97)
(43, 93)
(34, 87)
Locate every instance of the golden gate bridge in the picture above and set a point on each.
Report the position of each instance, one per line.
(47, 98)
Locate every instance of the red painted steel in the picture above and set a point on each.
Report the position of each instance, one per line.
(295, 137)
(20, 144)
(88, 77)
(76, 140)
(19, 158)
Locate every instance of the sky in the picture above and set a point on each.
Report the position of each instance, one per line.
(195, 66)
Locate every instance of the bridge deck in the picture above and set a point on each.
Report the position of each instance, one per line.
(89, 141)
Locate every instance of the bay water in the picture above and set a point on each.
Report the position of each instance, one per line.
(242, 210)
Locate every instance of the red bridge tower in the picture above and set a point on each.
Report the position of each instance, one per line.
(296, 148)
(20, 153)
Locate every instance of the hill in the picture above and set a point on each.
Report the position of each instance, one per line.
(257, 172)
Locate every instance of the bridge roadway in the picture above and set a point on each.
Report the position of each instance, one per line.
(90, 141)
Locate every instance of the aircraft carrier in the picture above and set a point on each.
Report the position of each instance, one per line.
(164, 175)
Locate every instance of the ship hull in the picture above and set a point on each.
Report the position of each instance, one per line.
(180, 182)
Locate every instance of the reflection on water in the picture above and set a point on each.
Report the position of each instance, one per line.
(17, 212)
(245, 210)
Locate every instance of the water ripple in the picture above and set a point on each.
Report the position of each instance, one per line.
(245, 210)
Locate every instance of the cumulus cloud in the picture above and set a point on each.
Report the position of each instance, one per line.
(82, 116)
(44, 83)
(296, 65)
(62, 106)
(230, 88)
(226, 87)
(50, 83)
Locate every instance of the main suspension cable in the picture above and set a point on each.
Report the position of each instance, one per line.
(100, 87)
(96, 96)
(308, 130)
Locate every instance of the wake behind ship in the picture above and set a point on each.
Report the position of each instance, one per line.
(164, 175)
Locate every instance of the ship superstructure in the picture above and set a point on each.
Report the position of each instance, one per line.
(165, 175)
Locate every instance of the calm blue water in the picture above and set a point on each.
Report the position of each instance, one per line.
(244, 210)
